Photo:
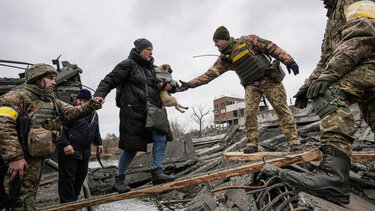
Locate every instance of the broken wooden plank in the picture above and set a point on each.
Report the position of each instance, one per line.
(237, 171)
(356, 156)
(249, 157)
(363, 156)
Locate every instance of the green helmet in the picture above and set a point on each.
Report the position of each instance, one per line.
(38, 71)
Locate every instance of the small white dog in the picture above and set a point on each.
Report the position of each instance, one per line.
(164, 73)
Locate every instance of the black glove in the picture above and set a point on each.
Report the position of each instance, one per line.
(293, 65)
(301, 99)
(226, 59)
(184, 86)
(317, 88)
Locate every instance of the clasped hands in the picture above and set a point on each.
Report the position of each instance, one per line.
(172, 89)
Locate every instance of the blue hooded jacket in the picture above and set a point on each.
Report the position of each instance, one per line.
(80, 134)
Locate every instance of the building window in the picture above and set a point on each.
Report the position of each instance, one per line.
(234, 113)
(242, 112)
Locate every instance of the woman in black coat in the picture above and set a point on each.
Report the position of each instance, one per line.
(129, 77)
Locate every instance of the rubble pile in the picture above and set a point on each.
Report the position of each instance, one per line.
(271, 139)
(190, 157)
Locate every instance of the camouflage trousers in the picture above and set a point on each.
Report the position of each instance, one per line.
(359, 87)
(31, 179)
(276, 95)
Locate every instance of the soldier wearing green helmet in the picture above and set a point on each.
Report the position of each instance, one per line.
(24, 150)
(38, 71)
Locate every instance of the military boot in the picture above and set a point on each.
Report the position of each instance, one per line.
(120, 185)
(158, 177)
(329, 181)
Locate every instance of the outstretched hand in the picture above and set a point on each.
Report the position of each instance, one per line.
(96, 102)
(99, 100)
(293, 66)
(184, 86)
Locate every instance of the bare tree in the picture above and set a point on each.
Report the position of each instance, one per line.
(110, 145)
(198, 114)
(178, 128)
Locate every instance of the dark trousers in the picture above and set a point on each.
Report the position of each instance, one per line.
(3, 171)
(72, 173)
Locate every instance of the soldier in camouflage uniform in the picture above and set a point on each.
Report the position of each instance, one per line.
(249, 57)
(40, 81)
(343, 76)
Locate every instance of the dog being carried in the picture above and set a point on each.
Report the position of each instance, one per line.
(164, 74)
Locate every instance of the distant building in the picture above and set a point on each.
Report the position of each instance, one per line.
(231, 111)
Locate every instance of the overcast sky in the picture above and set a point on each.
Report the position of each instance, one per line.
(97, 35)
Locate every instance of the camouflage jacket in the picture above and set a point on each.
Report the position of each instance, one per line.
(20, 103)
(255, 45)
(348, 42)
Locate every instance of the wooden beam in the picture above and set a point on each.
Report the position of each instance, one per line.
(240, 156)
(212, 176)
(363, 156)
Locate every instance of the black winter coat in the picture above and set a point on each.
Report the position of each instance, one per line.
(80, 134)
(129, 79)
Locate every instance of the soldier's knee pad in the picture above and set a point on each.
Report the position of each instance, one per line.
(327, 103)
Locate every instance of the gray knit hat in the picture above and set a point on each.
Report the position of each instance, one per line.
(141, 44)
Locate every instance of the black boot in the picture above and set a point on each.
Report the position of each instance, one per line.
(329, 181)
(120, 185)
(158, 177)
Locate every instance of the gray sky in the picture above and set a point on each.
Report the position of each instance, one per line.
(97, 35)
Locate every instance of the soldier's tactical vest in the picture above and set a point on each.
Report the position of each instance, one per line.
(47, 111)
(45, 129)
(248, 67)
